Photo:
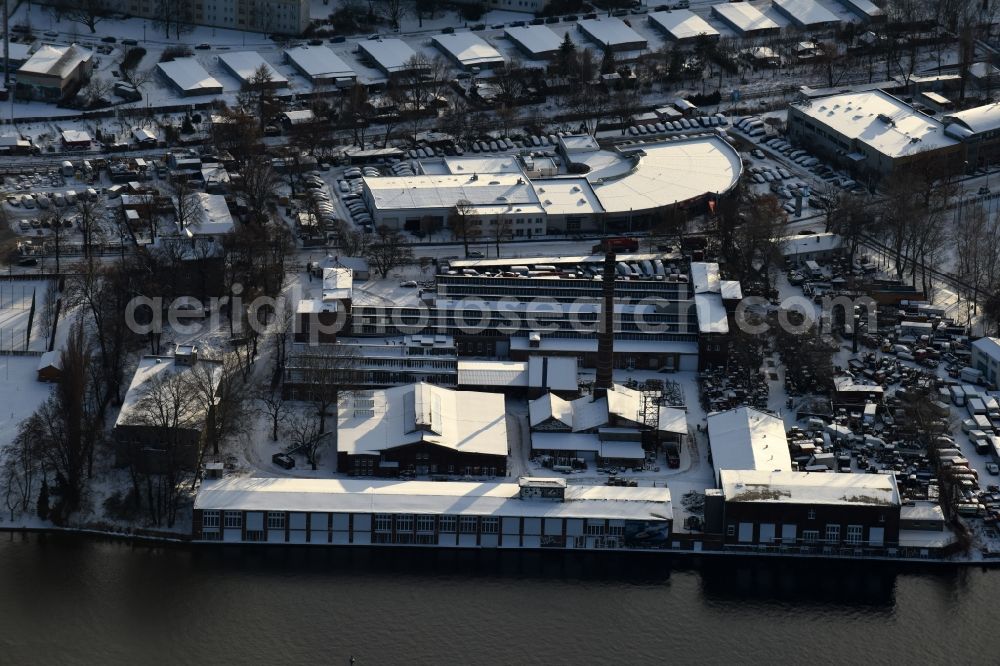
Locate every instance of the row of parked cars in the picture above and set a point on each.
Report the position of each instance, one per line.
(43, 201)
(352, 198)
(681, 125)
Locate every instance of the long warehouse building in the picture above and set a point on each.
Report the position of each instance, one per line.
(530, 514)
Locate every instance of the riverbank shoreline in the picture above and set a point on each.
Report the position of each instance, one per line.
(194, 544)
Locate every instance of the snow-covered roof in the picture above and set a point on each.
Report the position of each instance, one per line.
(787, 487)
(338, 284)
(626, 403)
(795, 245)
(391, 55)
(982, 70)
(557, 373)
(670, 172)
(578, 415)
(845, 384)
(712, 316)
(988, 346)
(978, 119)
(806, 13)
(151, 368)
(744, 17)
(190, 77)
(465, 421)
(611, 32)
(468, 49)
(51, 359)
(879, 120)
(567, 196)
(748, 439)
(429, 497)
(244, 65)
(682, 24)
(442, 191)
(210, 216)
(538, 40)
(705, 277)
(76, 136)
(922, 510)
(731, 290)
(319, 62)
(59, 61)
(863, 7)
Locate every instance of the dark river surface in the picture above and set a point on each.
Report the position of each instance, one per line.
(68, 600)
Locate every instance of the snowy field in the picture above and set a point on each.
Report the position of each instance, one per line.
(15, 310)
(20, 393)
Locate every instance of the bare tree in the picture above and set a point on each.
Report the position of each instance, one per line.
(305, 436)
(394, 11)
(388, 250)
(258, 184)
(274, 407)
(84, 12)
(463, 223)
(256, 96)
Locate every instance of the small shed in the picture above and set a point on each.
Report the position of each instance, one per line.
(50, 366)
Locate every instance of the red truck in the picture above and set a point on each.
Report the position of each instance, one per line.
(620, 244)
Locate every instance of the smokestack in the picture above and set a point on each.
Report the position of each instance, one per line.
(606, 333)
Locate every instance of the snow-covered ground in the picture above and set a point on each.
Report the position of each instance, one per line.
(20, 393)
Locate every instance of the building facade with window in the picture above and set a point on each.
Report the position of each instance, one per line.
(287, 17)
(532, 513)
(823, 513)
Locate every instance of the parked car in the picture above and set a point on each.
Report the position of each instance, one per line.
(283, 460)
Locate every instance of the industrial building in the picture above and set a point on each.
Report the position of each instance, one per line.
(619, 428)
(321, 65)
(797, 250)
(389, 56)
(807, 14)
(531, 378)
(745, 19)
(864, 10)
(422, 429)
(189, 78)
(831, 514)
(205, 215)
(612, 33)
(978, 129)
(244, 65)
(53, 73)
(147, 436)
(747, 439)
(986, 358)
(683, 25)
(534, 513)
(468, 50)
(872, 133)
(535, 41)
(508, 195)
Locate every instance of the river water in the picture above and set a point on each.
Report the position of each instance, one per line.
(69, 600)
